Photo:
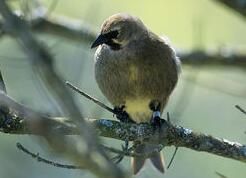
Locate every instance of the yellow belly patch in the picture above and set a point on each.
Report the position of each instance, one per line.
(139, 109)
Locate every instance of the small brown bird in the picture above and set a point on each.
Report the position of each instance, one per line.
(136, 69)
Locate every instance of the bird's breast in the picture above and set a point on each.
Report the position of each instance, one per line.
(133, 81)
(133, 73)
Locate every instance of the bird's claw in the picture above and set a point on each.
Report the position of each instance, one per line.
(122, 115)
(156, 122)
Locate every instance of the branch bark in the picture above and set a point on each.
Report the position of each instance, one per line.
(169, 135)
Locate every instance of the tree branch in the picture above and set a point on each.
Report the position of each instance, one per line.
(18, 119)
(76, 31)
(42, 62)
(64, 27)
(219, 58)
(169, 135)
(41, 159)
(237, 5)
(240, 109)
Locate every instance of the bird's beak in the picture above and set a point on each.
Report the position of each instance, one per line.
(100, 40)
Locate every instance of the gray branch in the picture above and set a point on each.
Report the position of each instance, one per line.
(169, 135)
(64, 27)
(18, 119)
(219, 58)
(236, 5)
(77, 31)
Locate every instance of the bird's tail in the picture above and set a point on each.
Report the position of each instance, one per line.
(157, 159)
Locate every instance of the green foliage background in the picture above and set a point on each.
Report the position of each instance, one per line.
(203, 100)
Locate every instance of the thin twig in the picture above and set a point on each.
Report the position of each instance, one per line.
(240, 109)
(2, 84)
(168, 117)
(43, 160)
(220, 175)
(238, 6)
(90, 97)
(42, 62)
(176, 148)
(174, 154)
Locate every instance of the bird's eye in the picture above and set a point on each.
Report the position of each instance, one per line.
(112, 34)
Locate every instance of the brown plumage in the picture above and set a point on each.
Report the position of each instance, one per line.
(134, 67)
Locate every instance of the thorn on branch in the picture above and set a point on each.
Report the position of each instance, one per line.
(168, 117)
(240, 109)
(220, 175)
(41, 159)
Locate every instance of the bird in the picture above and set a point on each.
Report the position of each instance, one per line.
(137, 71)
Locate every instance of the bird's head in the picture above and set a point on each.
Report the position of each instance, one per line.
(118, 30)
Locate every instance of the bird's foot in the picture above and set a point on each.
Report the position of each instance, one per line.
(122, 115)
(156, 120)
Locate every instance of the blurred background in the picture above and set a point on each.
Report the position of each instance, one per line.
(203, 101)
